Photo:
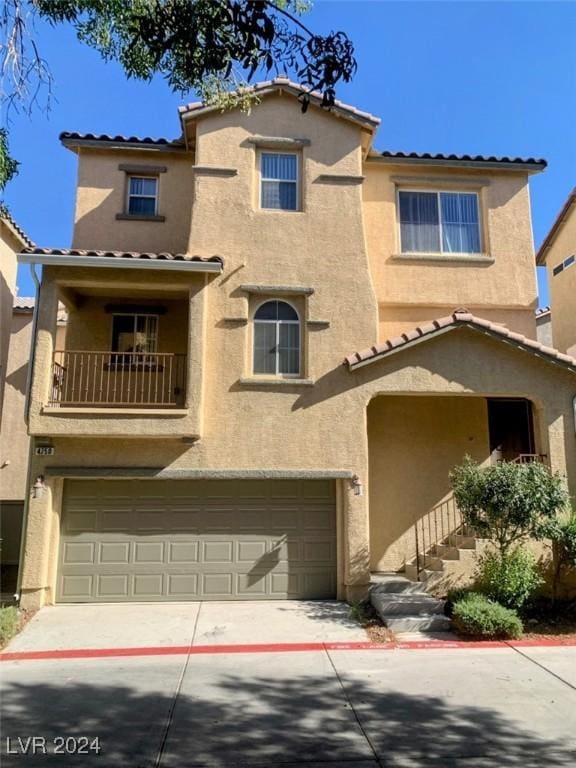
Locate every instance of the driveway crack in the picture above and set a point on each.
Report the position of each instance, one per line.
(170, 715)
(353, 710)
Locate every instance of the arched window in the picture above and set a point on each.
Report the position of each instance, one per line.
(276, 339)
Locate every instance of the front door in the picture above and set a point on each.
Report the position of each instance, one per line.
(511, 428)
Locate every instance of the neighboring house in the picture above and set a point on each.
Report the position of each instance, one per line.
(544, 326)
(12, 241)
(280, 341)
(14, 440)
(558, 253)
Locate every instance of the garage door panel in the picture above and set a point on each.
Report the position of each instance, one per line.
(183, 552)
(182, 585)
(206, 541)
(146, 586)
(116, 552)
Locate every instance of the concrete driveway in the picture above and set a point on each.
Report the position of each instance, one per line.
(178, 624)
(445, 708)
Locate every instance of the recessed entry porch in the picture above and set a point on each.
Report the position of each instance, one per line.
(122, 349)
(413, 443)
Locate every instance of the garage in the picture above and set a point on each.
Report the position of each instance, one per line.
(153, 540)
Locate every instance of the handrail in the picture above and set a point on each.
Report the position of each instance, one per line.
(118, 379)
(435, 527)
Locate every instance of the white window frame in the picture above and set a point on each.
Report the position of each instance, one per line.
(155, 197)
(438, 192)
(262, 179)
(278, 323)
(135, 316)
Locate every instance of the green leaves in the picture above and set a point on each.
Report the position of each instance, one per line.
(475, 615)
(8, 165)
(196, 42)
(510, 578)
(508, 502)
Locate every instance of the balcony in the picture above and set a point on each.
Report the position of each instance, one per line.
(138, 380)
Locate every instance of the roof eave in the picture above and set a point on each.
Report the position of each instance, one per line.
(565, 364)
(555, 228)
(117, 262)
(497, 165)
(369, 122)
(76, 144)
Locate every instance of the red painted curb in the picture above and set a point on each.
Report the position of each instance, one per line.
(182, 650)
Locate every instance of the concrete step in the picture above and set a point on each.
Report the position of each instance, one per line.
(433, 563)
(461, 541)
(395, 583)
(434, 623)
(405, 604)
(447, 552)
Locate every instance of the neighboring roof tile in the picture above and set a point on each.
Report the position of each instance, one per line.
(24, 303)
(528, 162)
(164, 256)
(285, 84)
(541, 255)
(72, 138)
(6, 217)
(459, 318)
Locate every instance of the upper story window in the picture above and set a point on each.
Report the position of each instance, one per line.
(564, 265)
(439, 222)
(134, 333)
(276, 339)
(142, 195)
(279, 183)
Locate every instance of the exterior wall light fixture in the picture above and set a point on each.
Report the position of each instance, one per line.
(356, 485)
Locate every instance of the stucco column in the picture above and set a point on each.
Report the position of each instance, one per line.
(44, 345)
(560, 431)
(195, 361)
(356, 541)
(41, 544)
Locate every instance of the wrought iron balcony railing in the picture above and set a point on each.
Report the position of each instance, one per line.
(118, 379)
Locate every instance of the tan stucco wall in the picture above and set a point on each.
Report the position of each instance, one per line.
(101, 194)
(508, 283)
(397, 320)
(13, 434)
(413, 444)
(563, 286)
(325, 427)
(266, 427)
(9, 247)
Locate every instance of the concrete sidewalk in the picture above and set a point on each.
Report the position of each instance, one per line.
(477, 708)
(165, 624)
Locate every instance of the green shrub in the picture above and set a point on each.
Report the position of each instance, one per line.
(509, 578)
(9, 624)
(506, 502)
(477, 616)
(454, 596)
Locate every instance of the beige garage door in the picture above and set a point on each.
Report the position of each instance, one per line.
(141, 540)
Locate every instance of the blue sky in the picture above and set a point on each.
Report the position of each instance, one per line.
(465, 77)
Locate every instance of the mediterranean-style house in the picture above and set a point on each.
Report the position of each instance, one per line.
(280, 341)
(15, 345)
(558, 253)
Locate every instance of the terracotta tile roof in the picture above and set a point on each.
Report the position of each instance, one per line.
(6, 217)
(23, 303)
(460, 318)
(69, 137)
(285, 84)
(431, 158)
(548, 240)
(164, 256)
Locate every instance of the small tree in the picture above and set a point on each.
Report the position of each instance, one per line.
(508, 503)
(562, 533)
